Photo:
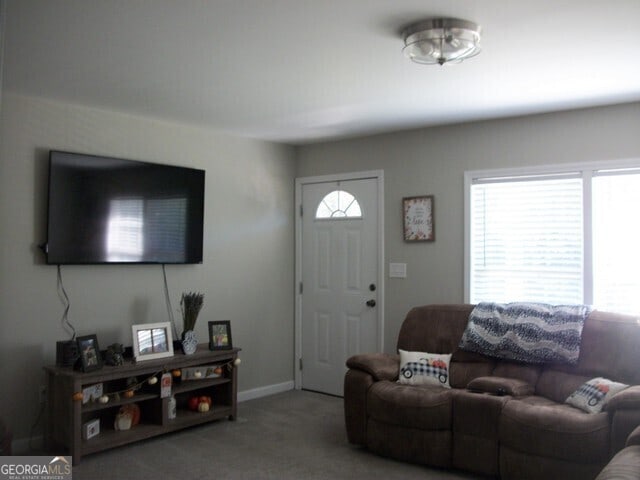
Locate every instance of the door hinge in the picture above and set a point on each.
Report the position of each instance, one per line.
(301, 210)
(300, 288)
(300, 360)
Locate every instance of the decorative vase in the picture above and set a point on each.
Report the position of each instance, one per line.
(189, 342)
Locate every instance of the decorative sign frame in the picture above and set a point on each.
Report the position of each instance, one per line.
(419, 219)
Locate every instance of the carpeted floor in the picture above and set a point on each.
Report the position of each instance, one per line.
(293, 435)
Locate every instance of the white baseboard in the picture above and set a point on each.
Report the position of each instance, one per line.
(20, 446)
(265, 391)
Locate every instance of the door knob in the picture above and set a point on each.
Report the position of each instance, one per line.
(371, 303)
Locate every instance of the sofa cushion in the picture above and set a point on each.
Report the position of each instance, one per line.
(539, 426)
(422, 368)
(421, 407)
(592, 395)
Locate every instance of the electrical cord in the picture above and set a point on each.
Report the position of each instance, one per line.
(64, 298)
(167, 300)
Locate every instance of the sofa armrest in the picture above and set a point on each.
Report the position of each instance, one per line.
(629, 398)
(380, 366)
(500, 386)
(634, 437)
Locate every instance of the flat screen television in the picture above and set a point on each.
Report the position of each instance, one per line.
(109, 210)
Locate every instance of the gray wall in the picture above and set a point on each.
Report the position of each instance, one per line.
(432, 161)
(247, 274)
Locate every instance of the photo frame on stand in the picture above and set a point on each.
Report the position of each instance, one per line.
(90, 358)
(220, 335)
(151, 341)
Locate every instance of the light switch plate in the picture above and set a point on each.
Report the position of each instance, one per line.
(397, 270)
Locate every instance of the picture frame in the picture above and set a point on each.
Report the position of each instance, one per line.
(220, 335)
(418, 214)
(90, 358)
(152, 341)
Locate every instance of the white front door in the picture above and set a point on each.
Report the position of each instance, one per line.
(340, 273)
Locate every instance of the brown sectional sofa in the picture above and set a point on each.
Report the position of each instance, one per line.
(500, 418)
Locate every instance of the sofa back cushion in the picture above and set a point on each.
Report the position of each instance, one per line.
(521, 371)
(434, 328)
(557, 385)
(610, 348)
(464, 372)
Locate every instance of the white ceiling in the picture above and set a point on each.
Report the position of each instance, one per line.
(300, 71)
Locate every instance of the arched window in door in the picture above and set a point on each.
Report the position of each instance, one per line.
(338, 204)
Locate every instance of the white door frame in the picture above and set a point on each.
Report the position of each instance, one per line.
(379, 176)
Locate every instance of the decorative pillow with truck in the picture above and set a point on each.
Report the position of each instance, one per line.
(422, 368)
(591, 396)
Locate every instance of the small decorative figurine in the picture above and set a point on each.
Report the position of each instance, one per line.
(114, 353)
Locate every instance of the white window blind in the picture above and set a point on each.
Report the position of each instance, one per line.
(616, 241)
(526, 240)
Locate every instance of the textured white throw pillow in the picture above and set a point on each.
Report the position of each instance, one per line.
(591, 396)
(422, 368)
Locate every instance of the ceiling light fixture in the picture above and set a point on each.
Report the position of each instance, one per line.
(441, 40)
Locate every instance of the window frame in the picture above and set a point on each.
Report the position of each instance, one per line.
(585, 170)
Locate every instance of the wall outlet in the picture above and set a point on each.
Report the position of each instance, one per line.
(42, 394)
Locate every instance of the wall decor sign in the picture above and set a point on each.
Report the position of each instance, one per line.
(152, 340)
(418, 219)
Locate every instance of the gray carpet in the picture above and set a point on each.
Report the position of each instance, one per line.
(293, 435)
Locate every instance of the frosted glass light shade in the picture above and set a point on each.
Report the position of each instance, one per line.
(441, 40)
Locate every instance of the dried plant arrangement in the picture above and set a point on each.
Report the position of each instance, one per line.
(190, 305)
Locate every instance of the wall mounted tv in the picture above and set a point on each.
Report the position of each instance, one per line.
(109, 210)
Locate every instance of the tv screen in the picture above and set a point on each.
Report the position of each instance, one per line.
(109, 210)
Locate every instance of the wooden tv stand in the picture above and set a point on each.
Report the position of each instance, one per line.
(66, 416)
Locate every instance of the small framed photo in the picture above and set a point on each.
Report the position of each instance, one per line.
(89, 352)
(418, 219)
(220, 335)
(151, 341)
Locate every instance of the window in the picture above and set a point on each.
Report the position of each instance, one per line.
(338, 204)
(555, 236)
(616, 242)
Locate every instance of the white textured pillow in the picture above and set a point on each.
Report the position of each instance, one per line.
(591, 396)
(421, 368)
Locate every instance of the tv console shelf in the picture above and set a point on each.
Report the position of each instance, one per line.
(66, 416)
